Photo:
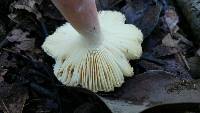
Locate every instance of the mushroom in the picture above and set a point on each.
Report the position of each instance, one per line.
(92, 50)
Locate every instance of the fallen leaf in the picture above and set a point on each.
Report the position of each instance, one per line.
(168, 41)
(150, 89)
(28, 5)
(171, 19)
(149, 65)
(22, 42)
(7, 61)
(143, 14)
(159, 87)
(177, 41)
(123, 106)
(174, 108)
(182, 39)
(162, 51)
(12, 98)
(190, 10)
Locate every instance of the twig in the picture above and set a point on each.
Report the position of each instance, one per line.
(185, 61)
(181, 58)
(4, 105)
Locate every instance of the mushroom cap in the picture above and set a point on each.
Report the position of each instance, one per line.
(99, 67)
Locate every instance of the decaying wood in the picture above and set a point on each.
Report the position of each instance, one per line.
(191, 10)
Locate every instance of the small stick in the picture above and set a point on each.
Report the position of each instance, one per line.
(7, 111)
(185, 61)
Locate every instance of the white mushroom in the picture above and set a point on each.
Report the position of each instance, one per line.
(93, 55)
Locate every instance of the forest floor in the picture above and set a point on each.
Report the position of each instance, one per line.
(166, 76)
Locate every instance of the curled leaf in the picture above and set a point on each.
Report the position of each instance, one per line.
(28, 5)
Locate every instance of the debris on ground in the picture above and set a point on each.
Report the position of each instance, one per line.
(167, 75)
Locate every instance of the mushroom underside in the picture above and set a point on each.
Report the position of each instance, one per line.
(97, 68)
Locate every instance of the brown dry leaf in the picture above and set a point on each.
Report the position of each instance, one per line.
(171, 19)
(23, 43)
(12, 98)
(162, 51)
(123, 106)
(152, 88)
(168, 41)
(159, 87)
(149, 65)
(178, 41)
(28, 5)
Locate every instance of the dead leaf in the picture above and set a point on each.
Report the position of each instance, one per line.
(149, 65)
(174, 108)
(168, 41)
(159, 87)
(178, 41)
(152, 88)
(22, 42)
(28, 5)
(12, 98)
(7, 61)
(143, 14)
(182, 39)
(191, 12)
(123, 106)
(162, 51)
(171, 19)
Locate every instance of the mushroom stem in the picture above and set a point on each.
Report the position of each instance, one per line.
(83, 16)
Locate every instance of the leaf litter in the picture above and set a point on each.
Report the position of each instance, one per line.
(164, 74)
